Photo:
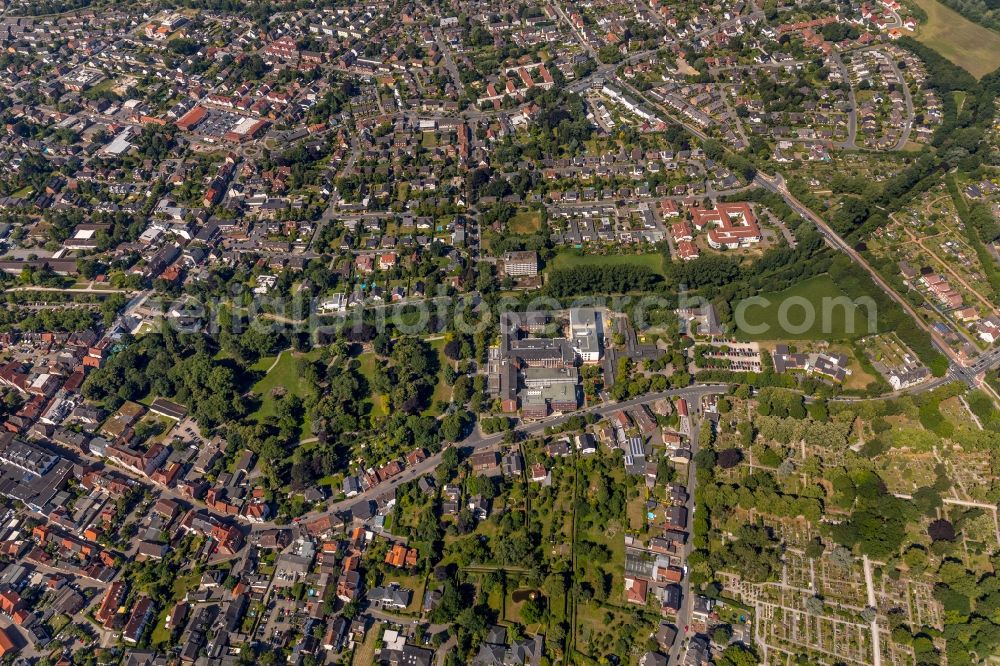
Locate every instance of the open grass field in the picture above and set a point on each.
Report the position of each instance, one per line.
(960, 97)
(652, 260)
(636, 512)
(830, 320)
(402, 191)
(967, 44)
(525, 222)
(284, 375)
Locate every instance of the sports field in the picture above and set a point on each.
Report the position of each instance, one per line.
(967, 44)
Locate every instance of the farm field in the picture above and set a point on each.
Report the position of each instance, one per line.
(837, 323)
(967, 44)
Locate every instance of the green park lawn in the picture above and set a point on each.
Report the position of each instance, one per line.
(368, 362)
(442, 392)
(284, 374)
(263, 363)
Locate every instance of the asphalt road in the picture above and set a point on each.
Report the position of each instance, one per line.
(676, 655)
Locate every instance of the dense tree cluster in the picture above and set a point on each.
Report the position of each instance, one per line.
(827, 435)
(561, 125)
(32, 174)
(760, 492)
(596, 279)
(43, 7)
(409, 376)
(971, 603)
(165, 363)
(754, 552)
(781, 404)
(72, 318)
(737, 654)
(838, 32)
(877, 525)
